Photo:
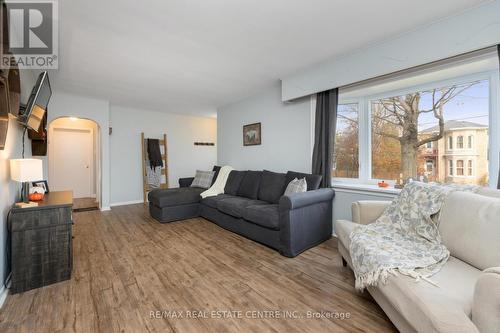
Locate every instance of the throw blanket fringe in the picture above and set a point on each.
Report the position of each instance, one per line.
(218, 187)
(405, 239)
(372, 278)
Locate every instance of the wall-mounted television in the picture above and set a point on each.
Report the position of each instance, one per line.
(31, 115)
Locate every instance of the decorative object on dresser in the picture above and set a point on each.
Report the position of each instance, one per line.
(25, 170)
(41, 183)
(41, 242)
(252, 134)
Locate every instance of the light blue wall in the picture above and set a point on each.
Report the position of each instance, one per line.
(286, 133)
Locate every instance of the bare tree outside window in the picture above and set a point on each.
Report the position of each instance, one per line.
(346, 152)
(410, 130)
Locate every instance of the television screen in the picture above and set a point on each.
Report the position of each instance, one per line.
(32, 114)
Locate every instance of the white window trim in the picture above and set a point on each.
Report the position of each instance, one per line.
(365, 164)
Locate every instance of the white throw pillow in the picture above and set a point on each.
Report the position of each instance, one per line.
(296, 186)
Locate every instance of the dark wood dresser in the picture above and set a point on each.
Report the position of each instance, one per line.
(41, 242)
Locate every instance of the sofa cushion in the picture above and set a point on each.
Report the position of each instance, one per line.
(249, 187)
(428, 308)
(313, 181)
(272, 186)
(234, 181)
(470, 228)
(263, 215)
(213, 200)
(236, 206)
(216, 170)
(175, 196)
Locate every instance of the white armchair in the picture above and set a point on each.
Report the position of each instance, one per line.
(486, 302)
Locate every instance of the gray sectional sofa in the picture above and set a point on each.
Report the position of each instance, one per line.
(254, 206)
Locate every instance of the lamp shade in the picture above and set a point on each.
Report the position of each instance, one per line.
(26, 169)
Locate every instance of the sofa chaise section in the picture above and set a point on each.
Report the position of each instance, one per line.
(174, 204)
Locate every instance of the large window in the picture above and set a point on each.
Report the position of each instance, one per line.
(402, 126)
(346, 153)
(434, 131)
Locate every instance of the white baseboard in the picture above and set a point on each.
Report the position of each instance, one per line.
(103, 209)
(3, 295)
(124, 203)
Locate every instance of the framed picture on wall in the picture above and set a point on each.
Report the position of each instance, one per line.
(252, 134)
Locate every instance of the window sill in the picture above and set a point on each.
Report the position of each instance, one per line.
(365, 188)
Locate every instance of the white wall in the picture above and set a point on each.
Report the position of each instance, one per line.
(63, 104)
(184, 158)
(286, 133)
(471, 30)
(10, 190)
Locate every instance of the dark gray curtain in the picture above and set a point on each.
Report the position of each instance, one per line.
(324, 134)
(498, 185)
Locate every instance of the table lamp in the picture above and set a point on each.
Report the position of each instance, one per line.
(26, 170)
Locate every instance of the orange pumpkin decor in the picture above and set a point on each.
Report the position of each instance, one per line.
(36, 196)
(36, 193)
(383, 184)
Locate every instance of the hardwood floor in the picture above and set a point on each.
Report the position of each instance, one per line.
(126, 266)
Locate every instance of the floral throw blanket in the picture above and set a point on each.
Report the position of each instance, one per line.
(405, 238)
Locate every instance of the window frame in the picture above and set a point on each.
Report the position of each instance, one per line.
(346, 179)
(470, 168)
(365, 132)
(462, 168)
(460, 142)
(470, 141)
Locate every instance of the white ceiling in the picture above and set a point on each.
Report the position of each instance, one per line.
(191, 56)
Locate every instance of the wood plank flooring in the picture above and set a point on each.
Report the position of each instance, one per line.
(127, 266)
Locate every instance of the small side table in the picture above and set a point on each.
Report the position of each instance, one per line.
(41, 242)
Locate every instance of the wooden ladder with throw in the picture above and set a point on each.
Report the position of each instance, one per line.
(164, 170)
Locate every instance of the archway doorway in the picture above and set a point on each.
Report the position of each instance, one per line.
(74, 160)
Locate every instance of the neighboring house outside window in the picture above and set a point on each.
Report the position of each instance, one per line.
(477, 137)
